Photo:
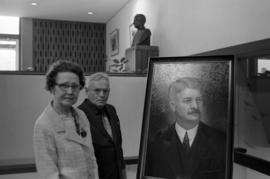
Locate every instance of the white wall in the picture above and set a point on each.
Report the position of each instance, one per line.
(184, 27)
(26, 45)
(23, 98)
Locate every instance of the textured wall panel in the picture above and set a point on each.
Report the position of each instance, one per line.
(80, 42)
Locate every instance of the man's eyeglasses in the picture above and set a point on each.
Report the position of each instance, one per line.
(66, 86)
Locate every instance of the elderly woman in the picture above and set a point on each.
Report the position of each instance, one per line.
(62, 139)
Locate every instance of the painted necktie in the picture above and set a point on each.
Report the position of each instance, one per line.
(186, 143)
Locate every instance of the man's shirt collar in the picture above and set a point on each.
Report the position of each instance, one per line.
(181, 133)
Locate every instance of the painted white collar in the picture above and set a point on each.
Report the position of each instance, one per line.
(181, 133)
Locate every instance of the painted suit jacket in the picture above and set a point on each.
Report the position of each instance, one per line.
(108, 150)
(60, 153)
(206, 160)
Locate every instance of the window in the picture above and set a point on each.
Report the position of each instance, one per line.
(263, 66)
(9, 43)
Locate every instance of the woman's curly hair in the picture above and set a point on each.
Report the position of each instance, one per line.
(63, 66)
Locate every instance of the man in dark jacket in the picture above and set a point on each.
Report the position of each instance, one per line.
(188, 149)
(105, 127)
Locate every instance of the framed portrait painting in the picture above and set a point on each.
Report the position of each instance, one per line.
(187, 129)
(114, 42)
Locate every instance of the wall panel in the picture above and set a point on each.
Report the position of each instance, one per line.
(80, 42)
(24, 98)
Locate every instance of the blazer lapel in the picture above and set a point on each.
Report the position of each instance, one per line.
(114, 125)
(101, 128)
(96, 120)
(72, 135)
(171, 148)
(197, 150)
(67, 127)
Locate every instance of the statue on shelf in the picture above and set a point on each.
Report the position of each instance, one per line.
(142, 35)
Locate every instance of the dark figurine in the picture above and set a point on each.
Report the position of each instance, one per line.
(142, 36)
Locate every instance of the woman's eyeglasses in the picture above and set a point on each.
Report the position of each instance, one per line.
(66, 86)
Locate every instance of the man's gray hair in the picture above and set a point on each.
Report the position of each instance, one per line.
(96, 77)
(182, 83)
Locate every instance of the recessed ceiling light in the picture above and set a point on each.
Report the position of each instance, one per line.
(90, 13)
(34, 4)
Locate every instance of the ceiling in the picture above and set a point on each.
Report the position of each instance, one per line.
(71, 10)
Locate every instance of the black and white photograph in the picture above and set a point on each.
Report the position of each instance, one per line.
(185, 88)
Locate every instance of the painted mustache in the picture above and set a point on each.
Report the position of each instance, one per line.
(195, 111)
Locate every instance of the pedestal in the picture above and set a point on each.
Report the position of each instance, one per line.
(138, 57)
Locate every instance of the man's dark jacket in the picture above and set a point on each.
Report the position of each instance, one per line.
(206, 160)
(108, 150)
